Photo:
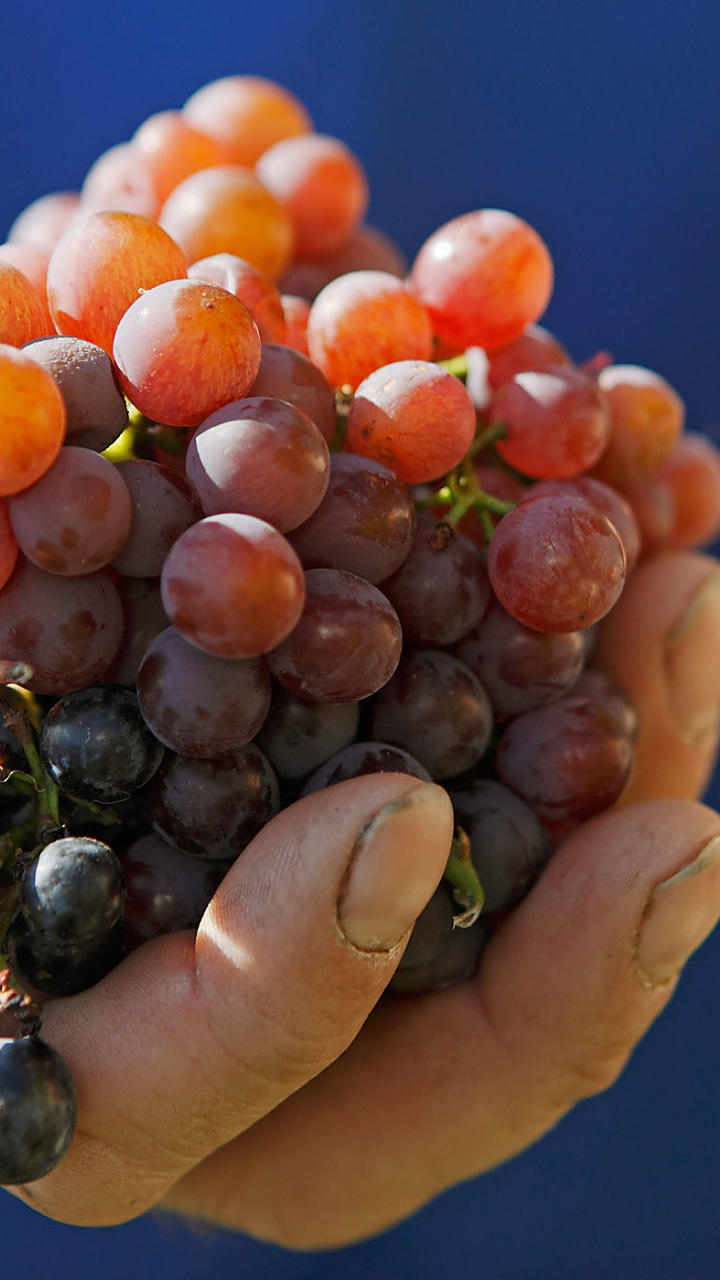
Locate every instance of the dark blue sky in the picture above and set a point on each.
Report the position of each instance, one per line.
(600, 125)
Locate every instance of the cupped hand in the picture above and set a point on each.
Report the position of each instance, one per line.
(251, 1078)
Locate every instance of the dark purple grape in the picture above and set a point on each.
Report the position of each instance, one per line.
(600, 689)
(261, 457)
(509, 845)
(58, 969)
(299, 736)
(96, 745)
(438, 955)
(213, 808)
(199, 705)
(166, 890)
(441, 590)
(364, 524)
(345, 646)
(162, 507)
(519, 668)
(38, 1109)
(67, 629)
(568, 760)
(96, 410)
(437, 710)
(74, 891)
(361, 758)
(287, 375)
(145, 618)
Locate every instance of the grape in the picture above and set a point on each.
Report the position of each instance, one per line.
(414, 417)
(59, 969)
(32, 257)
(143, 619)
(162, 507)
(509, 845)
(185, 348)
(653, 506)
(600, 689)
(226, 209)
(441, 590)
(171, 149)
(100, 266)
(233, 586)
(604, 499)
(21, 312)
(249, 285)
(535, 349)
(646, 418)
(322, 185)
(8, 545)
(345, 646)
(483, 278)
(96, 410)
(259, 456)
(519, 668)
(166, 890)
(67, 629)
(74, 891)
(45, 218)
(437, 955)
(213, 808)
(297, 736)
(120, 180)
(96, 745)
(568, 760)
(437, 710)
(199, 705)
(364, 524)
(295, 311)
(556, 563)
(360, 758)
(556, 422)
(692, 474)
(76, 517)
(38, 1109)
(289, 375)
(363, 320)
(367, 249)
(246, 114)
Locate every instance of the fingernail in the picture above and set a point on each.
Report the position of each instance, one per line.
(680, 914)
(395, 866)
(693, 674)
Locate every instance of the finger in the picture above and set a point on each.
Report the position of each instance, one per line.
(439, 1088)
(661, 643)
(189, 1042)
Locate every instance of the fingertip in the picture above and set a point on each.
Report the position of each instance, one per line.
(660, 643)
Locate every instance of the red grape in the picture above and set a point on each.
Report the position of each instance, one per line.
(483, 277)
(414, 417)
(346, 644)
(233, 586)
(185, 348)
(556, 563)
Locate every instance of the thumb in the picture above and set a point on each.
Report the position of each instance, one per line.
(191, 1040)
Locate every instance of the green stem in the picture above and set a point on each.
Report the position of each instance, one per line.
(456, 365)
(467, 889)
(490, 435)
(14, 715)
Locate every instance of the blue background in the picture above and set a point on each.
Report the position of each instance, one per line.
(600, 125)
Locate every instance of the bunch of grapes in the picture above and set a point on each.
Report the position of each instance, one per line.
(275, 513)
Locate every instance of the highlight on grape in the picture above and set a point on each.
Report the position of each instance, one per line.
(278, 510)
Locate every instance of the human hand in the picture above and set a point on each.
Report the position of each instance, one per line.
(180, 1051)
